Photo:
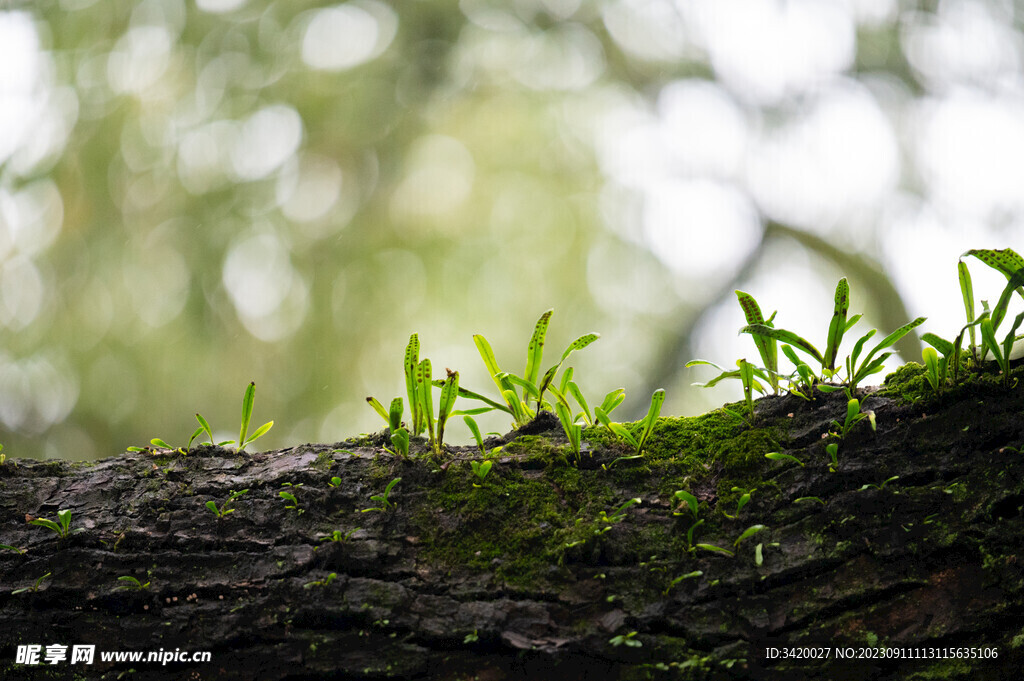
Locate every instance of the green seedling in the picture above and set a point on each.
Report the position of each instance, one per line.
(225, 508)
(646, 426)
(475, 430)
(780, 456)
(743, 500)
(325, 582)
(481, 469)
(935, 371)
(747, 374)
(680, 578)
(602, 415)
(938, 367)
(832, 449)
(615, 516)
(573, 430)
(3, 457)
(967, 292)
(881, 486)
(749, 532)
(248, 399)
(385, 504)
(518, 392)
(393, 417)
(291, 503)
(802, 499)
(34, 588)
(768, 348)
(803, 380)
(714, 549)
(8, 547)
(132, 584)
(472, 638)
(337, 535)
(449, 393)
(157, 442)
(335, 482)
(62, 527)
(690, 501)
(628, 640)
(871, 364)
(204, 426)
(853, 416)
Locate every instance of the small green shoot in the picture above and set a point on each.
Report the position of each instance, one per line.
(225, 508)
(384, 501)
(8, 547)
(247, 401)
(749, 532)
(853, 416)
(832, 449)
(743, 500)
(799, 500)
(481, 469)
(871, 364)
(618, 514)
(471, 638)
(335, 482)
(647, 425)
(475, 430)
(881, 486)
(628, 640)
(690, 501)
(747, 374)
(780, 456)
(157, 442)
(680, 578)
(325, 582)
(62, 527)
(338, 537)
(573, 431)
(204, 426)
(935, 371)
(714, 549)
(291, 503)
(34, 588)
(393, 417)
(132, 584)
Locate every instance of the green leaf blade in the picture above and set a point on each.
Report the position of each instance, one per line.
(535, 350)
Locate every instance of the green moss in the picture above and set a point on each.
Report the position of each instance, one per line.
(908, 383)
(323, 461)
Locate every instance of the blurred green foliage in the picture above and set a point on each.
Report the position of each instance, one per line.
(196, 195)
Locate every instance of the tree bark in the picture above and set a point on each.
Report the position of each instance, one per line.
(530, 573)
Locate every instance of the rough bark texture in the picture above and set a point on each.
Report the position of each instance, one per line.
(531, 575)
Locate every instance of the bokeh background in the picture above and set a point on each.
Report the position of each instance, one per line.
(198, 194)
